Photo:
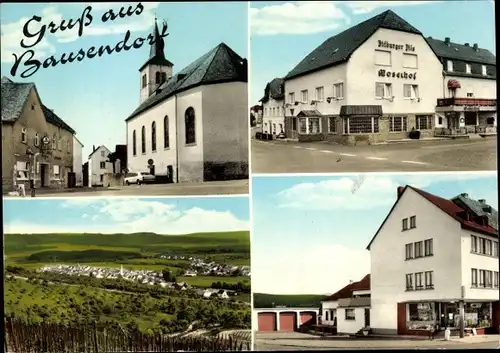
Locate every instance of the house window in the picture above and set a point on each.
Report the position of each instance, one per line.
(383, 90)
(303, 125)
(332, 128)
(424, 122)
(326, 315)
(440, 120)
(409, 281)
(413, 222)
(410, 91)
(291, 98)
(265, 111)
(37, 139)
(134, 143)
(143, 139)
(481, 278)
(103, 153)
(474, 277)
(103, 165)
(144, 82)
(190, 126)
(410, 61)
(158, 77)
(429, 284)
(409, 251)
(281, 129)
(495, 248)
(405, 224)
(338, 90)
(68, 147)
(24, 134)
(166, 133)
(320, 94)
(428, 251)
(473, 243)
(314, 127)
(163, 77)
(274, 128)
(382, 57)
(487, 247)
(483, 70)
(418, 281)
(449, 65)
(488, 280)
(397, 124)
(495, 279)
(470, 95)
(54, 141)
(361, 125)
(153, 136)
(101, 178)
(350, 314)
(59, 143)
(57, 174)
(419, 249)
(467, 68)
(304, 96)
(22, 170)
(481, 247)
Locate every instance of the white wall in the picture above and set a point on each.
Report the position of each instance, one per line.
(326, 306)
(78, 161)
(362, 74)
(269, 118)
(350, 326)
(95, 170)
(388, 274)
(481, 88)
(325, 78)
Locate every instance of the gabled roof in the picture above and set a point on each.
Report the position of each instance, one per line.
(97, 149)
(449, 207)
(339, 48)
(347, 291)
(52, 118)
(274, 89)
(219, 65)
(455, 51)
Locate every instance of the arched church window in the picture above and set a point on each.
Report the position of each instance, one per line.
(163, 77)
(143, 140)
(166, 136)
(134, 143)
(153, 136)
(190, 126)
(144, 81)
(158, 77)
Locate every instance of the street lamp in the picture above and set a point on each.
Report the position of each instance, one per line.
(32, 172)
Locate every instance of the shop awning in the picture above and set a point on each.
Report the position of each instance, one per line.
(306, 113)
(454, 84)
(361, 110)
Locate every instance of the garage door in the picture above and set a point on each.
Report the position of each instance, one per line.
(287, 322)
(307, 318)
(267, 321)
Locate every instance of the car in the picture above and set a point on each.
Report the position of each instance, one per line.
(138, 178)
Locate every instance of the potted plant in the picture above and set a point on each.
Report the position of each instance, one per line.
(366, 330)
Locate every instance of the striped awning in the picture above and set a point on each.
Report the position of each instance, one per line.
(453, 84)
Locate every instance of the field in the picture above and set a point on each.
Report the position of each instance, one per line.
(261, 300)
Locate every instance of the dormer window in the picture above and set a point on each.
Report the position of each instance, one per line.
(467, 68)
(449, 65)
(483, 70)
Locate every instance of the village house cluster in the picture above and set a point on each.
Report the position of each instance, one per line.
(379, 81)
(199, 267)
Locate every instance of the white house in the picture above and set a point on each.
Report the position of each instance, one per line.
(443, 264)
(99, 165)
(78, 161)
(273, 108)
(191, 126)
(349, 308)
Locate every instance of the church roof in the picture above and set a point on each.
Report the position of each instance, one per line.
(156, 53)
(339, 48)
(219, 65)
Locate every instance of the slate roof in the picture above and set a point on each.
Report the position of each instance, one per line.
(309, 113)
(221, 64)
(451, 208)
(339, 48)
(14, 97)
(274, 89)
(479, 209)
(461, 52)
(156, 52)
(347, 291)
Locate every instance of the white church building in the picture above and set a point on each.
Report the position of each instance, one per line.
(191, 126)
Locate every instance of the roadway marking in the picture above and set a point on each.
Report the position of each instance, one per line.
(453, 144)
(311, 149)
(413, 162)
(377, 158)
(347, 154)
(297, 146)
(327, 151)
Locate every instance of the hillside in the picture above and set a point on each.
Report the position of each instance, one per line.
(262, 300)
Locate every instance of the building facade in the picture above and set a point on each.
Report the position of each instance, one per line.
(443, 266)
(379, 81)
(273, 108)
(99, 165)
(78, 161)
(194, 125)
(37, 145)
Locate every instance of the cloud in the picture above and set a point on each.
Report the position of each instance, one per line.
(135, 215)
(364, 7)
(296, 18)
(361, 192)
(12, 33)
(291, 272)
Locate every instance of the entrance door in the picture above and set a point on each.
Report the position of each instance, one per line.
(294, 128)
(43, 170)
(170, 174)
(367, 317)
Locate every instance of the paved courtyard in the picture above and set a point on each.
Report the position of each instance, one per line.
(300, 341)
(325, 157)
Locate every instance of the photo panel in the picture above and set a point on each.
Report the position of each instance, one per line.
(125, 99)
(127, 275)
(375, 261)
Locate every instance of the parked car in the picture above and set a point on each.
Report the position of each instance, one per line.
(138, 178)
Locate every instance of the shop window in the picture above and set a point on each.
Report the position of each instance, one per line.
(361, 125)
(477, 315)
(418, 281)
(409, 281)
(409, 251)
(382, 57)
(410, 61)
(419, 249)
(424, 122)
(338, 90)
(490, 121)
(303, 125)
(291, 97)
(320, 94)
(314, 127)
(350, 314)
(428, 247)
(421, 315)
(398, 124)
(304, 96)
(332, 125)
(404, 224)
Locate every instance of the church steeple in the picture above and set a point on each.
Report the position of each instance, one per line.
(157, 69)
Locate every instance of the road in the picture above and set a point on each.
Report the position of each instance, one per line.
(422, 156)
(232, 187)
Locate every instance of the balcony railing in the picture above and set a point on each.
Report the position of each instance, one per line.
(483, 102)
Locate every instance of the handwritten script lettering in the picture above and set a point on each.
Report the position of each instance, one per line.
(31, 65)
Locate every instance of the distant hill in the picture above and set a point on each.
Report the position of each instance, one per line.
(262, 300)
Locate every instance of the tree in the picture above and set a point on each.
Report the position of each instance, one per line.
(112, 158)
(252, 120)
(167, 275)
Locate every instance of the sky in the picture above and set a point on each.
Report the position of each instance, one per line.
(126, 215)
(310, 234)
(95, 96)
(283, 33)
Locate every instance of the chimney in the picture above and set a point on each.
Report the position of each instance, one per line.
(447, 41)
(475, 47)
(467, 44)
(429, 37)
(465, 195)
(482, 201)
(400, 191)
(487, 209)
(93, 148)
(351, 281)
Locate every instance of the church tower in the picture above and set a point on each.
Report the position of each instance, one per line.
(157, 69)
